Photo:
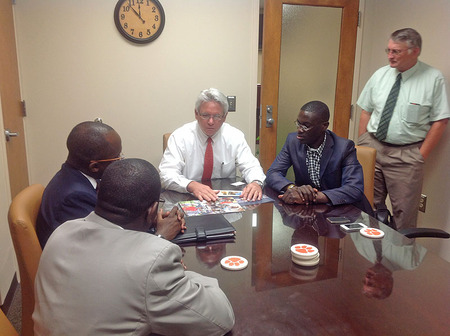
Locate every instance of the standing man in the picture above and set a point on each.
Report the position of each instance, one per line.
(325, 165)
(105, 275)
(405, 112)
(209, 148)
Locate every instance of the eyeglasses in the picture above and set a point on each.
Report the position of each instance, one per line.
(395, 52)
(216, 117)
(304, 128)
(120, 157)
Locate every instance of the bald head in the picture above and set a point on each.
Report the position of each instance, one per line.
(128, 189)
(90, 141)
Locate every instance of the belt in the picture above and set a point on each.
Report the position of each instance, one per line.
(395, 145)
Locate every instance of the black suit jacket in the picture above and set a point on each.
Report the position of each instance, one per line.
(69, 195)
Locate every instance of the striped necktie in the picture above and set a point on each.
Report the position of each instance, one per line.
(208, 163)
(386, 116)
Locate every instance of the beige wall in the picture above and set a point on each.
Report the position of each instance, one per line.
(75, 66)
(7, 257)
(430, 19)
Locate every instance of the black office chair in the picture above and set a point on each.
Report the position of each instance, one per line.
(424, 233)
(384, 216)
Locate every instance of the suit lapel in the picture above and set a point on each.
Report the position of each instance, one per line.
(326, 154)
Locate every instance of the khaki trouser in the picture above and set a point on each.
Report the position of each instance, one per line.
(399, 172)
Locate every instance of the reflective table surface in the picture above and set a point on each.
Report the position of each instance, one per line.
(362, 286)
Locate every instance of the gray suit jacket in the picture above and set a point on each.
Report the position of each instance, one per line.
(95, 278)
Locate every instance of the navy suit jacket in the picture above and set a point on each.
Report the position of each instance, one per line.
(69, 195)
(341, 175)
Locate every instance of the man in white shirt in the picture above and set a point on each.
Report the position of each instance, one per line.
(406, 133)
(182, 165)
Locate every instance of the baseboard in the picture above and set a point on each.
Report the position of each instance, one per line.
(9, 297)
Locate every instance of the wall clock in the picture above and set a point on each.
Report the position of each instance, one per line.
(139, 21)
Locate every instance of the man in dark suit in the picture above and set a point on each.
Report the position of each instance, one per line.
(72, 191)
(325, 165)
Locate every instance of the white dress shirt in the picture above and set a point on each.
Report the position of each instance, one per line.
(183, 158)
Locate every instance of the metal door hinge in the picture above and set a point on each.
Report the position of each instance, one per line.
(359, 18)
(24, 108)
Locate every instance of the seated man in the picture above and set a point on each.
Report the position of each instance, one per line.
(104, 275)
(325, 165)
(190, 146)
(72, 191)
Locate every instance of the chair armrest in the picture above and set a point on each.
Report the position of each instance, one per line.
(424, 232)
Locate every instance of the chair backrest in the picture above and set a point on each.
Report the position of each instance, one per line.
(165, 139)
(22, 217)
(366, 157)
(6, 328)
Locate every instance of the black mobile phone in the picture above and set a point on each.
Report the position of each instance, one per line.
(338, 220)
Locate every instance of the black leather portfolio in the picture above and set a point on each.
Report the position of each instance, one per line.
(203, 228)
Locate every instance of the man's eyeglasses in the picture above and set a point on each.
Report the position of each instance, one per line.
(120, 157)
(304, 128)
(216, 117)
(395, 52)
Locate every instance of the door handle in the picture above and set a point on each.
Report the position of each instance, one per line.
(269, 119)
(9, 134)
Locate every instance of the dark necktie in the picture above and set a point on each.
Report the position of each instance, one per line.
(388, 109)
(208, 163)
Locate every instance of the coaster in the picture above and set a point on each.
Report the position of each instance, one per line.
(234, 263)
(307, 263)
(312, 260)
(304, 251)
(372, 233)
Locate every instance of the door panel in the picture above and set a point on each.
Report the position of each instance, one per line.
(331, 27)
(11, 101)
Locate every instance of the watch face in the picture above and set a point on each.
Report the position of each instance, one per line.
(140, 21)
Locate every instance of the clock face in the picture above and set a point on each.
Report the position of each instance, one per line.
(140, 21)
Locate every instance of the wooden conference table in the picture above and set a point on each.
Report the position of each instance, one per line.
(274, 296)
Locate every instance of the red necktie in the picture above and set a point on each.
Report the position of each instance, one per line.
(208, 163)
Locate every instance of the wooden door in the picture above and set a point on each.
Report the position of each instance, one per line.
(11, 101)
(342, 85)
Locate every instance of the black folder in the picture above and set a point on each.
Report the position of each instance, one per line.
(204, 228)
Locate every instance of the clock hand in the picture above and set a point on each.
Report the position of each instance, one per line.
(138, 14)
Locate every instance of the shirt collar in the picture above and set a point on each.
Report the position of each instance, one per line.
(408, 73)
(90, 179)
(203, 137)
(320, 148)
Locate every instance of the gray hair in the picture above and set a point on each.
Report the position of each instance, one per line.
(212, 95)
(408, 35)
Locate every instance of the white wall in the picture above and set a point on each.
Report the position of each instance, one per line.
(75, 66)
(430, 19)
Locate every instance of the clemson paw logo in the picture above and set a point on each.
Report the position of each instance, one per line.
(234, 261)
(372, 232)
(304, 249)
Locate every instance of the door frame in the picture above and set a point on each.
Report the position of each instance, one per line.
(270, 75)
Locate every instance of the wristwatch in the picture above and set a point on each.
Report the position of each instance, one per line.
(160, 236)
(259, 183)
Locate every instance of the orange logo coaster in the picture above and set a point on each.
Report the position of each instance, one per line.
(372, 233)
(304, 250)
(234, 263)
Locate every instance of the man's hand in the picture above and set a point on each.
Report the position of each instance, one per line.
(304, 194)
(170, 223)
(252, 192)
(202, 191)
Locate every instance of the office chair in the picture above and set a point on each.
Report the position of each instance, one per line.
(6, 328)
(22, 215)
(366, 157)
(165, 139)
